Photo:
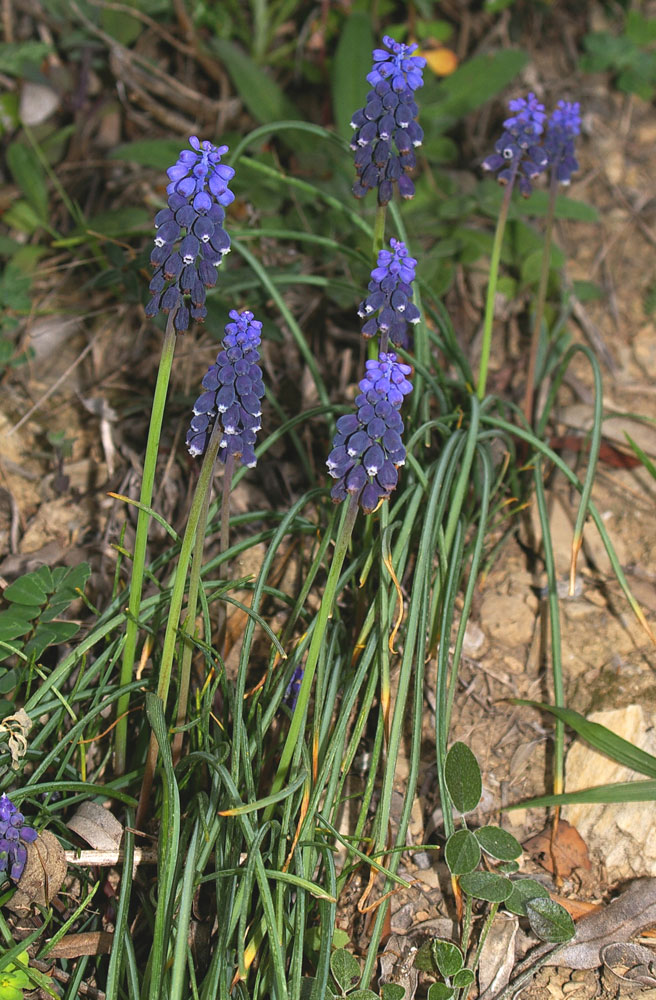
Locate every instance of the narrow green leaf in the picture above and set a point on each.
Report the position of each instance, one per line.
(463, 777)
(30, 177)
(345, 968)
(524, 890)
(640, 454)
(349, 84)
(602, 739)
(262, 96)
(462, 852)
(447, 957)
(549, 921)
(498, 843)
(475, 82)
(486, 885)
(621, 791)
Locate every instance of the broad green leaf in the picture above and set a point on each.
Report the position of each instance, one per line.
(349, 84)
(486, 885)
(16, 622)
(29, 589)
(258, 90)
(463, 777)
(462, 852)
(508, 867)
(475, 82)
(391, 991)
(21, 216)
(30, 177)
(498, 843)
(440, 991)
(463, 978)
(120, 221)
(363, 995)
(524, 890)
(8, 680)
(587, 291)
(346, 969)
(537, 206)
(447, 957)
(157, 153)
(120, 25)
(16, 57)
(51, 634)
(549, 921)
(602, 739)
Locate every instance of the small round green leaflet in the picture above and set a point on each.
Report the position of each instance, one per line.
(462, 852)
(463, 778)
(391, 991)
(440, 991)
(346, 969)
(550, 921)
(486, 885)
(498, 843)
(463, 978)
(363, 995)
(524, 890)
(447, 957)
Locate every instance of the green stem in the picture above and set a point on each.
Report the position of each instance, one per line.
(492, 286)
(175, 609)
(190, 618)
(539, 306)
(141, 539)
(318, 637)
(376, 347)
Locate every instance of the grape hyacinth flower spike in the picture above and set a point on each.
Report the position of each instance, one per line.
(234, 388)
(517, 152)
(562, 128)
(191, 241)
(386, 129)
(368, 448)
(13, 837)
(388, 308)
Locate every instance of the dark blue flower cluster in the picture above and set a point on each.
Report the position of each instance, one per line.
(563, 126)
(13, 853)
(390, 296)
(386, 130)
(234, 388)
(368, 449)
(518, 152)
(191, 240)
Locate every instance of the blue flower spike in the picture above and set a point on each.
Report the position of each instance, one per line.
(518, 152)
(13, 837)
(386, 129)
(368, 447)
(562, 128)
(191, 241)
(233, 390)
(388, 308)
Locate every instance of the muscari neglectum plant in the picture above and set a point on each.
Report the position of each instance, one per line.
(251, 812)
